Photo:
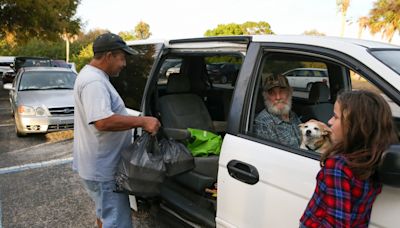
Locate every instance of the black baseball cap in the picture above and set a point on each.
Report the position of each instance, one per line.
(110, 42)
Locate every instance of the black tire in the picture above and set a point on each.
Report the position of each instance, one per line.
(309, 86)
(224, 79)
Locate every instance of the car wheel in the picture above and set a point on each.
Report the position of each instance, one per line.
(309, 86)
(224, 79)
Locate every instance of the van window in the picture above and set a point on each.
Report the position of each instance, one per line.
(132, 80)
(327, 76)
(303, 73)
(223, 69)
(168, 67)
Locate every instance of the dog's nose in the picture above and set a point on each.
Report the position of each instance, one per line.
(308, 132)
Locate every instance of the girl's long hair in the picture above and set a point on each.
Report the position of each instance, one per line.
(368, 130)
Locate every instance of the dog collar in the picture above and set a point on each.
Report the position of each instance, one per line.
(309, 148)
(316, 148)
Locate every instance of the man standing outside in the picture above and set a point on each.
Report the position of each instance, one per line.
(277, 122)
(103, 130)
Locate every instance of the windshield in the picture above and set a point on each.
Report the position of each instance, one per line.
(389, 58)
(42, 80)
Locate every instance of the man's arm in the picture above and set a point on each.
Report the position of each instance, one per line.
(120, 122)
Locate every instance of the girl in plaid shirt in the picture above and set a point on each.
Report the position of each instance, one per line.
(347, 186)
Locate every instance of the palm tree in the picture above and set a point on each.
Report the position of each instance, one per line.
(362, 25)
(384, 17)
(343, 5)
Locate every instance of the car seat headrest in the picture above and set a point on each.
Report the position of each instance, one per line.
(178, 83)
(319, 92)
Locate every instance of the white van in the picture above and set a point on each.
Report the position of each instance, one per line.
(260, 183)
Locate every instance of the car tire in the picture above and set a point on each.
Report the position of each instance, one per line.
(224, 79)
(309, 86)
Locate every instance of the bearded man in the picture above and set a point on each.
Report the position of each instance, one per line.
(277, 122)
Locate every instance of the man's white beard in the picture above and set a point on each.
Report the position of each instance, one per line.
(274, 110)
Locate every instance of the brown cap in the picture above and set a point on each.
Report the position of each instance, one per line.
(275, 81)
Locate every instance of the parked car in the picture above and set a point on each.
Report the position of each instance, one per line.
(5, 62)
(303, 78)
(176, 69)
(259, 182)
(24, 61)
(8, 76)
(30, 61)
(223, 72)
(168, 64)
(41, 99)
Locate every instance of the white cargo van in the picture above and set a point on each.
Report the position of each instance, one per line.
(261, 183)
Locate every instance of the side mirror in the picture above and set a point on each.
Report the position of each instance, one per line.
(389, 170)
(8, 86)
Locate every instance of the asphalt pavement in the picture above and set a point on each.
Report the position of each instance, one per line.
(37, 185)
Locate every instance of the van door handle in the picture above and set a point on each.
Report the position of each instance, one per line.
(243, 172)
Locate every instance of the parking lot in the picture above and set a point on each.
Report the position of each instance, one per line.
(37, 185)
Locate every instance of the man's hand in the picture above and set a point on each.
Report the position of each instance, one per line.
(151, 124)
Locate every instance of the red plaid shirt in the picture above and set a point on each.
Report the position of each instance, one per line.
(340, 199)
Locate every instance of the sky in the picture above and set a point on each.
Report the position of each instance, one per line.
(187, 18)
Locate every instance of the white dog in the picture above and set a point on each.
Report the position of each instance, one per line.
(315, 136)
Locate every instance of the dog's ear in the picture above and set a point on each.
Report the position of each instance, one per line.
(326, 130)
(301, 125)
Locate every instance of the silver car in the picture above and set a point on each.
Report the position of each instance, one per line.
(42, 99)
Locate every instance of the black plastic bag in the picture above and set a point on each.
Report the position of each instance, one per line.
(141, 169)
(177, 158)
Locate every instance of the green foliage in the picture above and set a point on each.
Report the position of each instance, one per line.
(127, 35)
(142, 30)
(384, 17)
(23, 20)
(224, 59)
(81, 47)
(6, 49)
(35, 47)
(247, 28)
(83, 58)
(225, 29)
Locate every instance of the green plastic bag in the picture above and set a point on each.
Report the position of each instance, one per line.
(204, 143)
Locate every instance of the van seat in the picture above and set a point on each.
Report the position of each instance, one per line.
(319, 108)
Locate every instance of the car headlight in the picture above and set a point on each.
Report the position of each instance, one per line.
(40, 111)
(30, 111)
(26, 110)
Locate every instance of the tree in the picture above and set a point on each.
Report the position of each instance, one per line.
(23, 20)
(362, 25)
(142, 30)
(84, 57)
(127, 35)
(343, 5)
(384, 17)
(247, 28)
(313, 32)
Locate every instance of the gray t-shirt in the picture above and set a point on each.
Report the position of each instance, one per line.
(271, 127)
(97, 153)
